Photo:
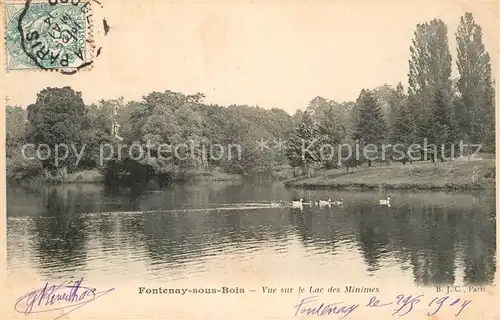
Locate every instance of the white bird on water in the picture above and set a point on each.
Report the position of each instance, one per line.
(275, 204)
(385, 202)
(297, 204)
(338, 202)
(323, 203)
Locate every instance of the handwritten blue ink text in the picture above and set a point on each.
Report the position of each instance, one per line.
(402, 305)
(56, 297)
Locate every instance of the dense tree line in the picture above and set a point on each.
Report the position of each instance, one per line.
(437, 108)
(59, 116)
(434, 107)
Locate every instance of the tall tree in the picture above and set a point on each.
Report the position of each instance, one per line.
(330, 118)
(57, 117)
(332, 131)
(15, 128)
(429, 69)
(384, 95)
(302, 144)
(397, 102)
(442, 131)
(390, 99)
(371, 127)
(475, 84)
(99, 127)
(405, 130)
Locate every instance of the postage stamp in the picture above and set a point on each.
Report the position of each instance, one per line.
(48, 35)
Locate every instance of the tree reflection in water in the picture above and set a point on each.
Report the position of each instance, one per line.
(432, 233)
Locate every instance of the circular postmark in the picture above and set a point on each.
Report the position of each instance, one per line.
(53, 35)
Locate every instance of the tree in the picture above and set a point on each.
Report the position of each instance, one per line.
(390, 100)
(371, 127)
(397, 102)
(108, 112)
(475, 84)
(429, 69)
(330, 118)
(168, 124)
(385, 95)
(405, 130)
(57, 117)
(442, 130)
(15, 128)
(100, 127)
(253, 159)
(331, 131)
(257, 131)
(294, 144)
(302, 144)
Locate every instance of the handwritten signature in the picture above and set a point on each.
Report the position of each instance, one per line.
(56, 297)
(403, 304)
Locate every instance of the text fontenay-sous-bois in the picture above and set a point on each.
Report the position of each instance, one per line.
(401, 305)
(67, 295)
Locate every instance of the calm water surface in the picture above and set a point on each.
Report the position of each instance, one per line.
(424, 238)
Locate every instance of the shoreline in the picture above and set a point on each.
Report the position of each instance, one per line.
(455, 175)
(478, 175)
(361, 186)
(305, 186)
(96, 177)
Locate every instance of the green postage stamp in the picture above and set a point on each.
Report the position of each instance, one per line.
(50, 35)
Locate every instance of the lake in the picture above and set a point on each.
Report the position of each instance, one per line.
(196, 232)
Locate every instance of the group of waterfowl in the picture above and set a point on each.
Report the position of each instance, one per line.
(319, 203)
(323, 203)
(328, 203)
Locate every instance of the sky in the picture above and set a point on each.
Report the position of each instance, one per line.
(271, 54)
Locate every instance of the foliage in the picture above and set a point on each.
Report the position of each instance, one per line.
(21, 169)
(429, 69)
(405, 129)
(370, 127)
(476, 106)
(252, 141)
(302, 147)
(443, 128)
(57, 117)
(15, 128)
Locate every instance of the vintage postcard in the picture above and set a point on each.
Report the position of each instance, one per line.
(215, 160)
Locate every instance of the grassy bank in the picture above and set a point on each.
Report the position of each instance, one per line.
(453, 175)
(83, 176)
(97, 176)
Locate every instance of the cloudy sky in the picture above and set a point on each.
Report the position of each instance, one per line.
(274, 54)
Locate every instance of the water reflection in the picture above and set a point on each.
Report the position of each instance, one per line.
(73, 228)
